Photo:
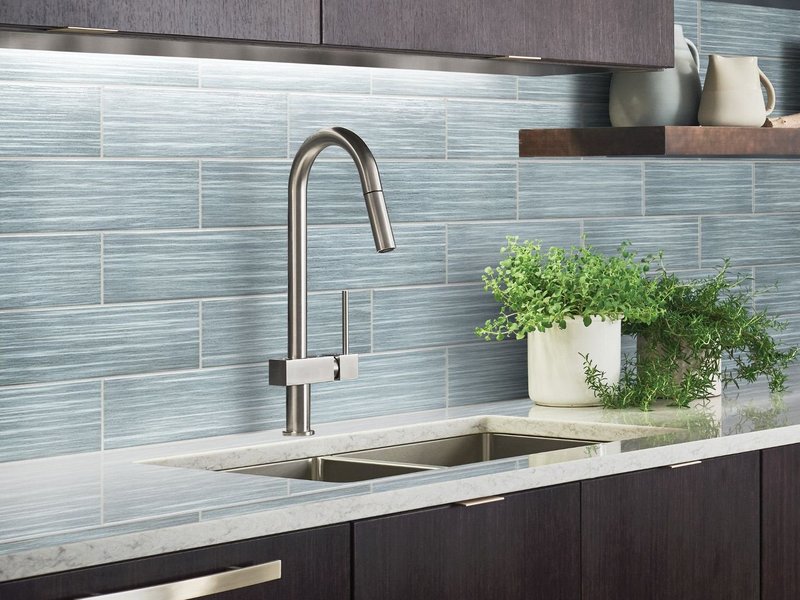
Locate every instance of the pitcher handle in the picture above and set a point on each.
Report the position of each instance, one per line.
(770, 91)
(695, 53)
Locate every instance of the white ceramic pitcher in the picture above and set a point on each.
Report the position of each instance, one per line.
(732, 93)
(668, 97)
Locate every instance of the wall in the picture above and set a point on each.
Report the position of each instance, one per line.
(142, 230)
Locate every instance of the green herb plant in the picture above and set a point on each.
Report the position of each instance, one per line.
(539, 289)
(708, 329)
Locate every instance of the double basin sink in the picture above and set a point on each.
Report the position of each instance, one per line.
(414, 457)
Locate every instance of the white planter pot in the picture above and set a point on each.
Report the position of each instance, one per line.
(555, 367)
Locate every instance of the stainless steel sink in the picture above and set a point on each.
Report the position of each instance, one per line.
(412, 458)
(332, 469)
(467, 449)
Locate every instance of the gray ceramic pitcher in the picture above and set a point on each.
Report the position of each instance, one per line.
(668, 97)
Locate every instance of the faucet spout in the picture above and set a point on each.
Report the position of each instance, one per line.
(306, 371)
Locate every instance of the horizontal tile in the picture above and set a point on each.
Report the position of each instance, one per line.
(254, 330)
(174, 123)
(404, 82)
(190, 265)
(392, 127)
(590, 88)
(49, 271)
(419, 317)
(386, 385)
(59, 494)
(756, 240)
(49, 420)
(783, 74)
(691, 187)
(163, 408)
(471, 248)
(99, 69)
(40, 196)
(246, 193)
(161, 490)
(687, 15)
(345, 257)
(236, 194)
(740, 30)
(677, 237)
(488, 372)
(579, 189)
(596, 115)
(477, 129)
(284, 77)
(95, 533)
(776, 184)
(57, 345)
(779, 289)
(49, 121)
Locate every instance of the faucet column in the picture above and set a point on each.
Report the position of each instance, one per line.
(298, 397)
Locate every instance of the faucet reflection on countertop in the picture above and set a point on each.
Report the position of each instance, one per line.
(298, 371)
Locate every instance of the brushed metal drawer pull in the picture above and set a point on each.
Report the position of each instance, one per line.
(686, 464)
(479, 501)
(198, 587)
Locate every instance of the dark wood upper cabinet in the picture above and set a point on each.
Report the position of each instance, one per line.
(690, 532)
(780, 544)
(315, 565)
(525, 547)
(623, 32)
(263, 20)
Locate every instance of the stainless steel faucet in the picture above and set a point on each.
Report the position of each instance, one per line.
(298, 372)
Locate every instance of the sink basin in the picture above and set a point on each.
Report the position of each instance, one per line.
(331, 469)
(467, 449)
(411, 458)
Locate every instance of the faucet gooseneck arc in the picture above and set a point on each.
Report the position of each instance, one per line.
(298, 372)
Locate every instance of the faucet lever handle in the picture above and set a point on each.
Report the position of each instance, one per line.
(345, 322)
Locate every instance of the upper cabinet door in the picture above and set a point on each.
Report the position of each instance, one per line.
(258, 20)
(604, 32)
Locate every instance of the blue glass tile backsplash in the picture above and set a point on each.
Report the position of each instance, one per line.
(143, 211)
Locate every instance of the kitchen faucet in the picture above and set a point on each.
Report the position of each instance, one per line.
(297, 372)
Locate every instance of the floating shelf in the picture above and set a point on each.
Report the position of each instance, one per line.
(661, 141)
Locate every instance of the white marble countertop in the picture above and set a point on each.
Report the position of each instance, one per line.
(75, 511)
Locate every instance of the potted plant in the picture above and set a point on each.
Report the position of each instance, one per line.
(707, 334)
(567, 303)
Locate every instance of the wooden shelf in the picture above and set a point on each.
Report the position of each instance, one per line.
(661, 141)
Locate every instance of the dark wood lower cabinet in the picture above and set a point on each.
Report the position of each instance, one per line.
(688, 533)
(315, 566)
(526, 546)
(780, 523)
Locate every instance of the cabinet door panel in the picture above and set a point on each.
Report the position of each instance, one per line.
(690, 532)
(780, 547)
(634, 32)
(315, 565)
(524, 547)
(264, 20)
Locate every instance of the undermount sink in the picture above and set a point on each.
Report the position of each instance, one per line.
(413, 457)
(331, 469)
